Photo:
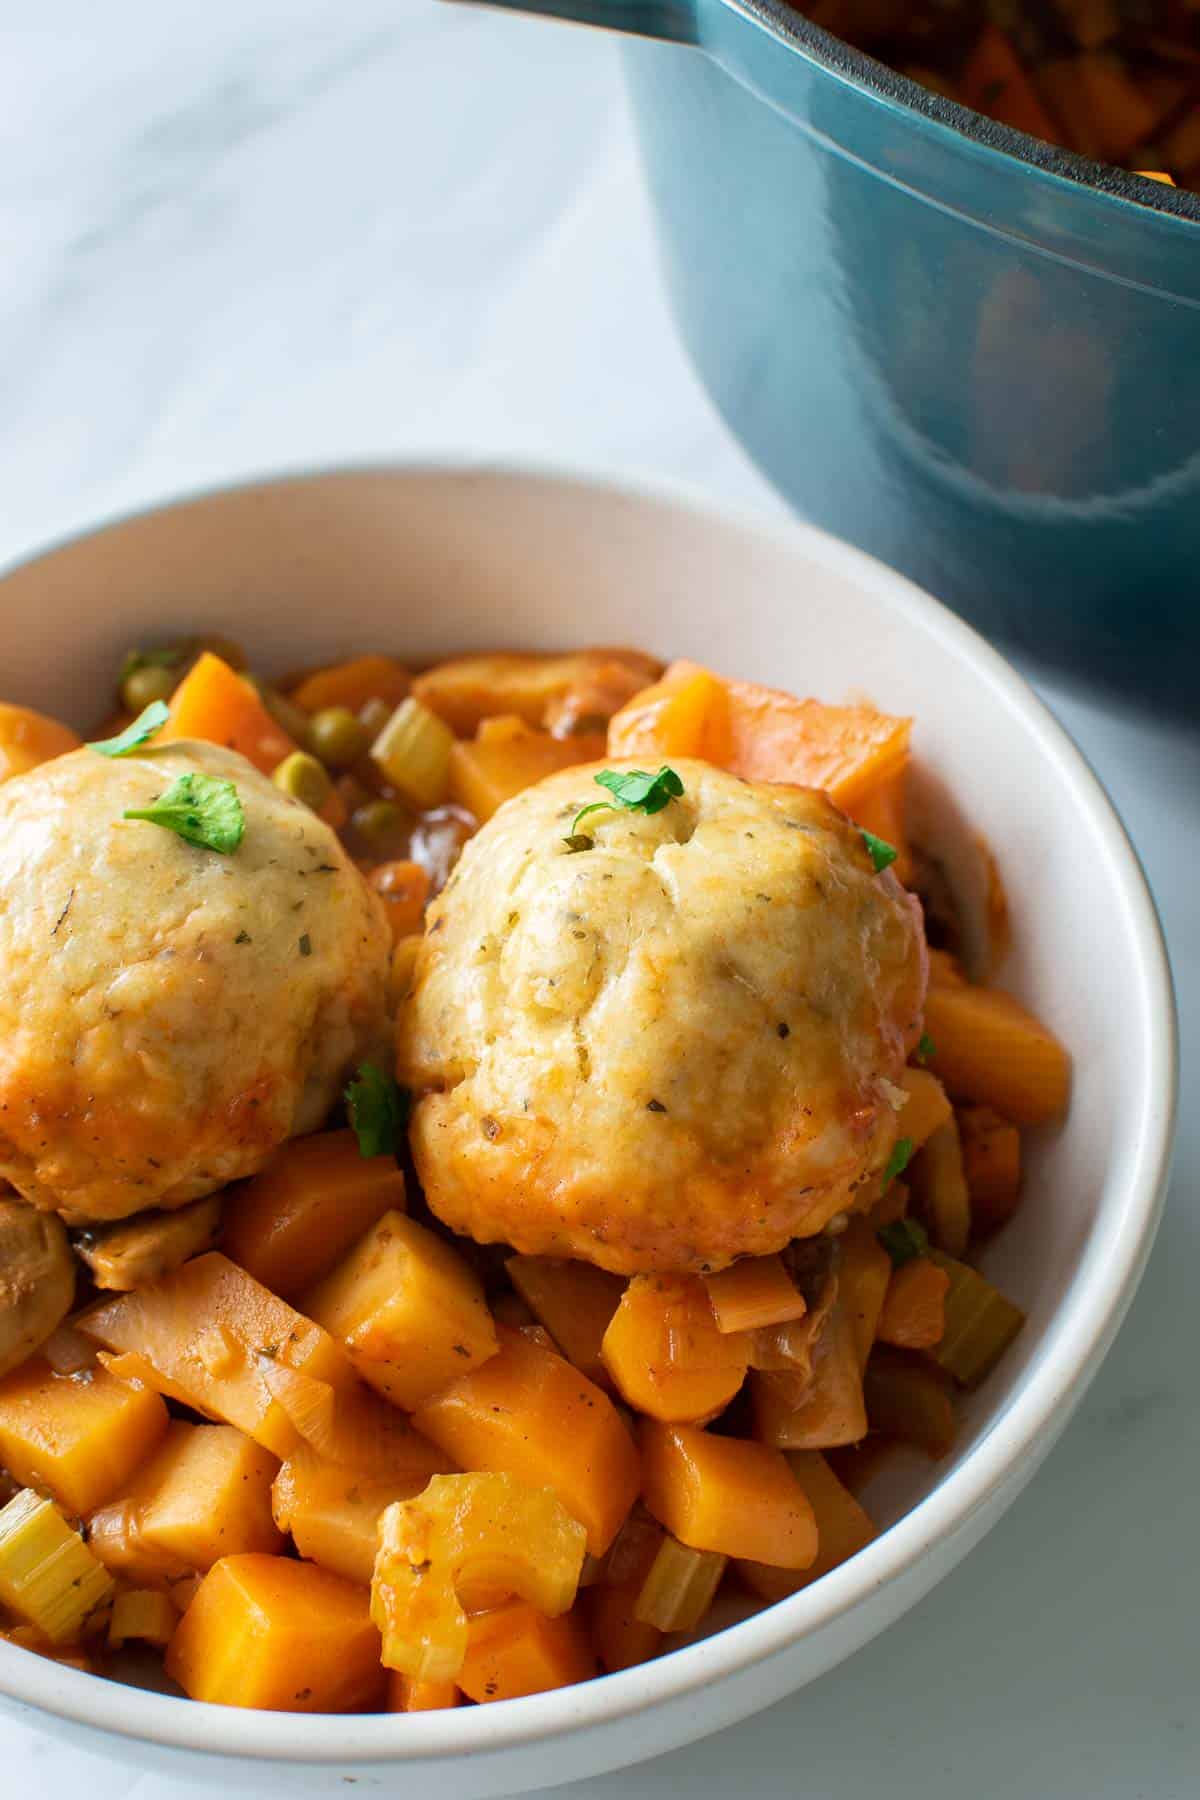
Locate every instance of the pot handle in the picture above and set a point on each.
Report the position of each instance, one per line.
(673, 20)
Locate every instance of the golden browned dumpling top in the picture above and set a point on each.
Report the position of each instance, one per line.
(169, 1015)
(675, 1048)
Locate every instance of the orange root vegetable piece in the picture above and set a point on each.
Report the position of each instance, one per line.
(79, 1441)
(914, 1313)
(206, 1493)
(883, 810)
(469, 689)
(991, 1156)
(269, 1632)
(574, 1301)
(352, 684)
(684, 714)
(850, 751)
(995, 83)
(754, 1293)
(409, 1309)
(620, 1639)
(911, 1401)
(208, 1333)
(945, 970)
(406, 1695)
(665, 1353)
(864, 1272)
(517, 1650)
(332, 1512)
(843, 1529)
(510, 757)
(213, 702)
(981, 1323)
(793, 1414)
(989, 1048)
(926, 1107)
(290, 1224)
(528, 1413)
(727, 1495)
(938, 1189)
(28, 738)
(404, 889)
(467, 1541)
(679, 1587)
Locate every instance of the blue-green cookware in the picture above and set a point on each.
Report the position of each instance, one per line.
(967, 351)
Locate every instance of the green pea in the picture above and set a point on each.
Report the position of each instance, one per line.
(381, 824)
(337, 737)
(303, 777)
(151, 682)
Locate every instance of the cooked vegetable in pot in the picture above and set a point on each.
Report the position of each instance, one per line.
(1116, 80)
(492, 1159)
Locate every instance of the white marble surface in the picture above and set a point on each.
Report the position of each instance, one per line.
(266, 235)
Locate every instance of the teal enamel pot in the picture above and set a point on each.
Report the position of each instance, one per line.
(969, 352)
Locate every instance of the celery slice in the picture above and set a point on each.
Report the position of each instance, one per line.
(679, 1588)
(48, 1576)
(980, 1323)
(413, 751)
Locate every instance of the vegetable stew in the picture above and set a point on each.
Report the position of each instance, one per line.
(1115, 80)
(490, 1371)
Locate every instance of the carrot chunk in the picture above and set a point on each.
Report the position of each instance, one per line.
(574, 1301)
(914, 1313)
(79, 1441)
(206, 1493)
(352, 684)
(409, 1309)
(527, 1412)
(755, 1292)
(989, 1048)
(215, 703)
(268, 1632)
(517, 1650)
(843, 1529)
(991, 1153)
(727, 1495)
(666, 1354)
(406, 1695)
(289, 1224)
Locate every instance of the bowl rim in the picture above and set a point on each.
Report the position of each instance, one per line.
(1176, 207)
(1029, 1421)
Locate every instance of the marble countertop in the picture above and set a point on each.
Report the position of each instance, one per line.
(276, 235)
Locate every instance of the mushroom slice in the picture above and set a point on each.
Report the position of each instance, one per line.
(37, 1280)
(146, 1248)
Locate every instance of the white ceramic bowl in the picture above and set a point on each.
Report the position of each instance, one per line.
(424, 562)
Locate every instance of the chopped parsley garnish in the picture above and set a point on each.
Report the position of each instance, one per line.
(148, 723)
(925, 1048)
(168, 657)
(633, 789)
(897, 1162)
(904, 1240)
(204, 810)
(378, 1111)
(881, 854)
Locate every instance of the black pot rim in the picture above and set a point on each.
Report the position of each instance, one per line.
(901, 93)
